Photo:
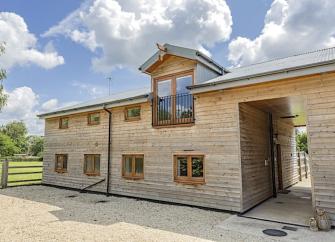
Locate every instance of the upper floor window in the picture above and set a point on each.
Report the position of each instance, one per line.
(93, 118)
(61, 163)
(132, 113)
(173, 103)
(189, 169)
(63, 123)
(92, 165)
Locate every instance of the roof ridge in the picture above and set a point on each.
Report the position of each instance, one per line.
(282, 58)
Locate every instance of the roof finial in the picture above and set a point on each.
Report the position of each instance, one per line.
(162, 51)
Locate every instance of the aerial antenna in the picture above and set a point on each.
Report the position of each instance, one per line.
(109, 85)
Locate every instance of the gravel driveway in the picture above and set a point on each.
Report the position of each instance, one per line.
(40, 213)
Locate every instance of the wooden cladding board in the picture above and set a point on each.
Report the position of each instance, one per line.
(255, 156)
(289, 160)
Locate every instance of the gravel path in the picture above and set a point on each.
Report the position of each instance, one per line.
(39, 213)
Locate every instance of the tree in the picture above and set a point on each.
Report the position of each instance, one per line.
(17, 131)
(301, 139)
(7, 146)
(3, 96)
(36, 145)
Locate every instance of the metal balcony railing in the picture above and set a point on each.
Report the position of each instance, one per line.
(173, 110)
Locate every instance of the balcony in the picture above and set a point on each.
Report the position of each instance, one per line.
(173, 110)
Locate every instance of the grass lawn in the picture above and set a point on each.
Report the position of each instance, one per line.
(19, 177)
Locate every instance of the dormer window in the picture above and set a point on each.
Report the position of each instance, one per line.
(173, 103)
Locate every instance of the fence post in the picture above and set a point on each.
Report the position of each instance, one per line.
(306, 167)
(4, 174)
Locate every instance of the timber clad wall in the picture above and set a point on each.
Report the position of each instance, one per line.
(319, 92)
(289, 159)
(256, 175)
(77, 140)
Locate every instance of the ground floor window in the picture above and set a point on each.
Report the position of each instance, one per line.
(92, 165)
(189, 169)
(61, 163)
(132, 166)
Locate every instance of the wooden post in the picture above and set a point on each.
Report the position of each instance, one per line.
(306, 167)
(299, 164)
(4, 174)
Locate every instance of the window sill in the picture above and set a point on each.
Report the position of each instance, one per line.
(190, 182)
(61, 171)
(132, 119)
(132, 178)
(92, 174)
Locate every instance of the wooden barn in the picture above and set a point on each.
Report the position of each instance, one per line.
(205, 135)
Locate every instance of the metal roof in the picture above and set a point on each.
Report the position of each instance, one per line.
(295, 62)
(185, 53)
(99, 103)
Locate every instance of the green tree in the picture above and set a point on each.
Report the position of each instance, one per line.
(301, 139)
(3, 96)
(17, 131)
(7, 146)
(36, 145)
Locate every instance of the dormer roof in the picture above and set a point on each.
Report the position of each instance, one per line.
(183, 52)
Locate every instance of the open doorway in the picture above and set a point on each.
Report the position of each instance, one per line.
(276, 181)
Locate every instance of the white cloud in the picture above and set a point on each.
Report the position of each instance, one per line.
(24, 105)
(290, 27)
(21, 106)
(94, 91)
(50, 105)
(21, 45)
(124, 32)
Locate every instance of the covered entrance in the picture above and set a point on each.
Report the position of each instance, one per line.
(276, 182)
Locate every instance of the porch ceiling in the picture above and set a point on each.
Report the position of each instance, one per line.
(291, 109)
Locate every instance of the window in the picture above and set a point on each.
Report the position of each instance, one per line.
(92, 165)
(189, 169)
(93, 119)
(173, 103)
(63, 123)
(132, 113)
(61, 163)
(132, 166)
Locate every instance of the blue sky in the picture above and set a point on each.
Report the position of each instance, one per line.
(79, 66)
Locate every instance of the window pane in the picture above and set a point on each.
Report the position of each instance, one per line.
(64, 162)
(164, 88)
(97, 164)
(94, 118)
(182, 166)
(89, 161)
(138, 165)
(182, 83)
(59, 162)
(197, 167)
(64, 122)
(164, 104)
(127, 165)
(133, 112)
(184, 102)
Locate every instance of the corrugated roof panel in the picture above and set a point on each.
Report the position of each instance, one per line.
(295, 61)
(116, 97)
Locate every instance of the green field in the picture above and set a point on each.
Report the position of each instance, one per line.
(13, 178)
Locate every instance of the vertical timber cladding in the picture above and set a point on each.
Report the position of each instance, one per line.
(255, 154)
(75, 141)
(319, 92)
